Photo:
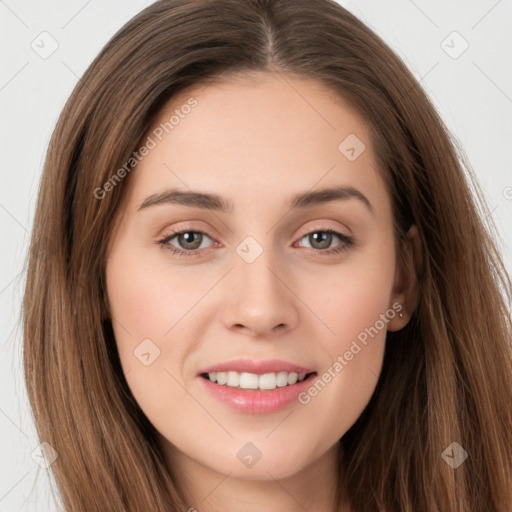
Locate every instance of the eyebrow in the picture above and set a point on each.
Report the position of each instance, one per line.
(215, 202)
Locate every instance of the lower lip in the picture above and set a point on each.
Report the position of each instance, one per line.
(254, 401)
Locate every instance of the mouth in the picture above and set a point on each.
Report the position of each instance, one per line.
(257, 382)
(256, 386)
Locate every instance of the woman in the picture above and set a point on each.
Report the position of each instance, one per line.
(255, 369)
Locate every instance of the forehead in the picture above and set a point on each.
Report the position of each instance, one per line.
(263, 133)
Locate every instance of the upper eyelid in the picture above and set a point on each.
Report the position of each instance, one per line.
(318, 225)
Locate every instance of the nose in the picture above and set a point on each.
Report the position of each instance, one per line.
(259, 297)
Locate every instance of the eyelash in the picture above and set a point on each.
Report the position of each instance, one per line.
(348, 242)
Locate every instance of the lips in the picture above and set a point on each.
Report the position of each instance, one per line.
(257, 367)
(256, 401)
(253, 387)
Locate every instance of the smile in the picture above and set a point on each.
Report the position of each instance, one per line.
(245, 380)
(251, 393)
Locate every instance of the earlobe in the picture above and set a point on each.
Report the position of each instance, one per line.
(405, 289)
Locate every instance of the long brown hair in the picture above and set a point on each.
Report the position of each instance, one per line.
(446, 376)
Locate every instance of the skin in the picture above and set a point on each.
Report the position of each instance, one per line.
(255, 141)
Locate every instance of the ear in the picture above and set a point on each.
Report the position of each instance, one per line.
(405, 286)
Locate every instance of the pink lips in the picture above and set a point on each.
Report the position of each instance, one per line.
(257, 367)
(255, 401)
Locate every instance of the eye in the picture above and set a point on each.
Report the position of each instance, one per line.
(321, 239)
(189, 241)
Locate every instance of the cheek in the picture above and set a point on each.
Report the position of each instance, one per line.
(138, 301)
(142, 313)
(352, 299)
(151, 308)
(355, 307)
(148, 298)
(348, 378)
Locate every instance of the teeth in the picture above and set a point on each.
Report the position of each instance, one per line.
(248, 381)
(233, 379)
(254, 381)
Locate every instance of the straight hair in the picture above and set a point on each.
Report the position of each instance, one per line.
(446, 376)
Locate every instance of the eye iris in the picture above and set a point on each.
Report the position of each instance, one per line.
(187, 238)
(324, 236)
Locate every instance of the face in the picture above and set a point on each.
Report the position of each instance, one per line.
(284, 284)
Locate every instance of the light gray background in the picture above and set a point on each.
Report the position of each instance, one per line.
(472, 93)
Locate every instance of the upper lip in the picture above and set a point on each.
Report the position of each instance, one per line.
(257, 367)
